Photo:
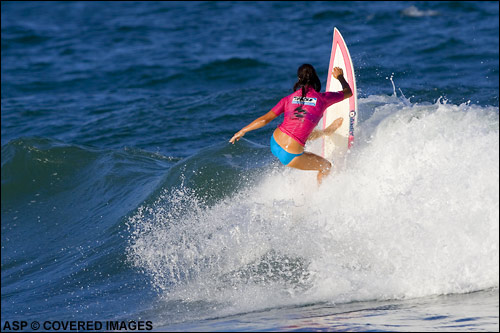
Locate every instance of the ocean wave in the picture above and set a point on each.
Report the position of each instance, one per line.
(332, 14)
(230, 227)
(229, 67)
(22, 36)
(414, 214)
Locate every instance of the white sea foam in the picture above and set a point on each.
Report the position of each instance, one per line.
(413, 11)
(414, 213)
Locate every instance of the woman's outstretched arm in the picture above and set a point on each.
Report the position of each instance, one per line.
(257, 123)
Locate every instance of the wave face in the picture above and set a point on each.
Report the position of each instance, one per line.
(414, 214)
(63, 211)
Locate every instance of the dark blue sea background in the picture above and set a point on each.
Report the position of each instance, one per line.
(122, 199)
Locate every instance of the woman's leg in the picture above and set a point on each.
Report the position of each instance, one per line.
(310, 161)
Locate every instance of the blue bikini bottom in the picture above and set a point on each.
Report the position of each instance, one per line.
(284, 156)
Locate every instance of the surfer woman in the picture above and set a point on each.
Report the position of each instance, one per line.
(303, 109)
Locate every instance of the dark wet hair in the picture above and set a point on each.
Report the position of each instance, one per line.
(307, 77)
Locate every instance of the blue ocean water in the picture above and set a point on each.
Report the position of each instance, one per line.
(121, 198)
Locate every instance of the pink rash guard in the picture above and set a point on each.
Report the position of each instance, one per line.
(301, 116)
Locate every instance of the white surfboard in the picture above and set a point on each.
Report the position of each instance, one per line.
(337, 145)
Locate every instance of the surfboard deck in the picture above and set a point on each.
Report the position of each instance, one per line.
(337, 145)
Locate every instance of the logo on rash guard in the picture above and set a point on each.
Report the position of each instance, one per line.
(299, 113)
(304, 100)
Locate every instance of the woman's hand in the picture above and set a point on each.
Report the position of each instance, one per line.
(337, 71)
(316, 134)
(237, 136)
(333, 126)
(336, 124)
